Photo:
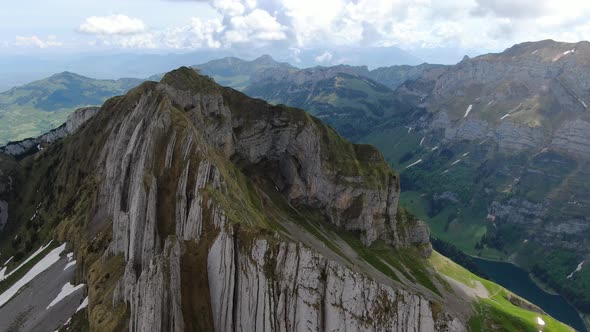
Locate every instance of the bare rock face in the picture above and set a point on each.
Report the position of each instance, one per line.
(3, 214)
(299, 290)
(573, 138)
(519, 211)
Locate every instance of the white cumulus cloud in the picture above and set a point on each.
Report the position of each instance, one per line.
(257, 25)
(325, 57)
(196, 33)
(112, 25)
(419, 26)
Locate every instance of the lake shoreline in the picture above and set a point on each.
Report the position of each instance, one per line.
(538, 282)
(519, 281)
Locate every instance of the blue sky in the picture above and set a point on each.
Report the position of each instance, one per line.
(34, 26)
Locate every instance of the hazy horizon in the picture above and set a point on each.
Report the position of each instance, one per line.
(431, 31)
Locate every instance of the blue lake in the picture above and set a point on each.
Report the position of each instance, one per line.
(518, 281)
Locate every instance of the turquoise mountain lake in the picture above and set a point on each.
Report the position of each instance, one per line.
(518, 281)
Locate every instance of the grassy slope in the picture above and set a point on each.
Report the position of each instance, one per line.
(353, 105)
(497, 309)
(33, 109)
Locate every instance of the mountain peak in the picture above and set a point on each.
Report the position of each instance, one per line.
(68, 75)
(188, 79)
(265, 58)
(547, 51)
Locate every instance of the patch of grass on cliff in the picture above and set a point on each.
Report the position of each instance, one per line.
(103, 277)
(351, 160)
(390, 261)
(374, 255)
(394, 143)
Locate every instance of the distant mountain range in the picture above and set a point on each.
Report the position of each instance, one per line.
(20, 69)
(34, 108)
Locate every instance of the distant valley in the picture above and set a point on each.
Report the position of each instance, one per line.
(35, 108)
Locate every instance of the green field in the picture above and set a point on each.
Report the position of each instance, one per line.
(35, 108)
(464, 231)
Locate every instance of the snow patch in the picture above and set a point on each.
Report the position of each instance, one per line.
(66, 291)
(45, 263)
(570, 51)
(409, 130)
(468, 110)
(8, 260)
(2, 272)
(540, 321)
(40, 250)
(505, 116)
(83, 305)
(465, 154)
(456, 161)
(578, 268)
(36, 212)
(446, 171)
(422, 140)
(70, 264)
(491, 102)
(434, 148)
(535, 51)
(414, 163)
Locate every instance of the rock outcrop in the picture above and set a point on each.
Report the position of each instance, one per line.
(299, 290)
(572, 138)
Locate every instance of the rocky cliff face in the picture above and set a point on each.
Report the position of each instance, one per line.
(193, 207)
(524, 98)
(508, 134)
